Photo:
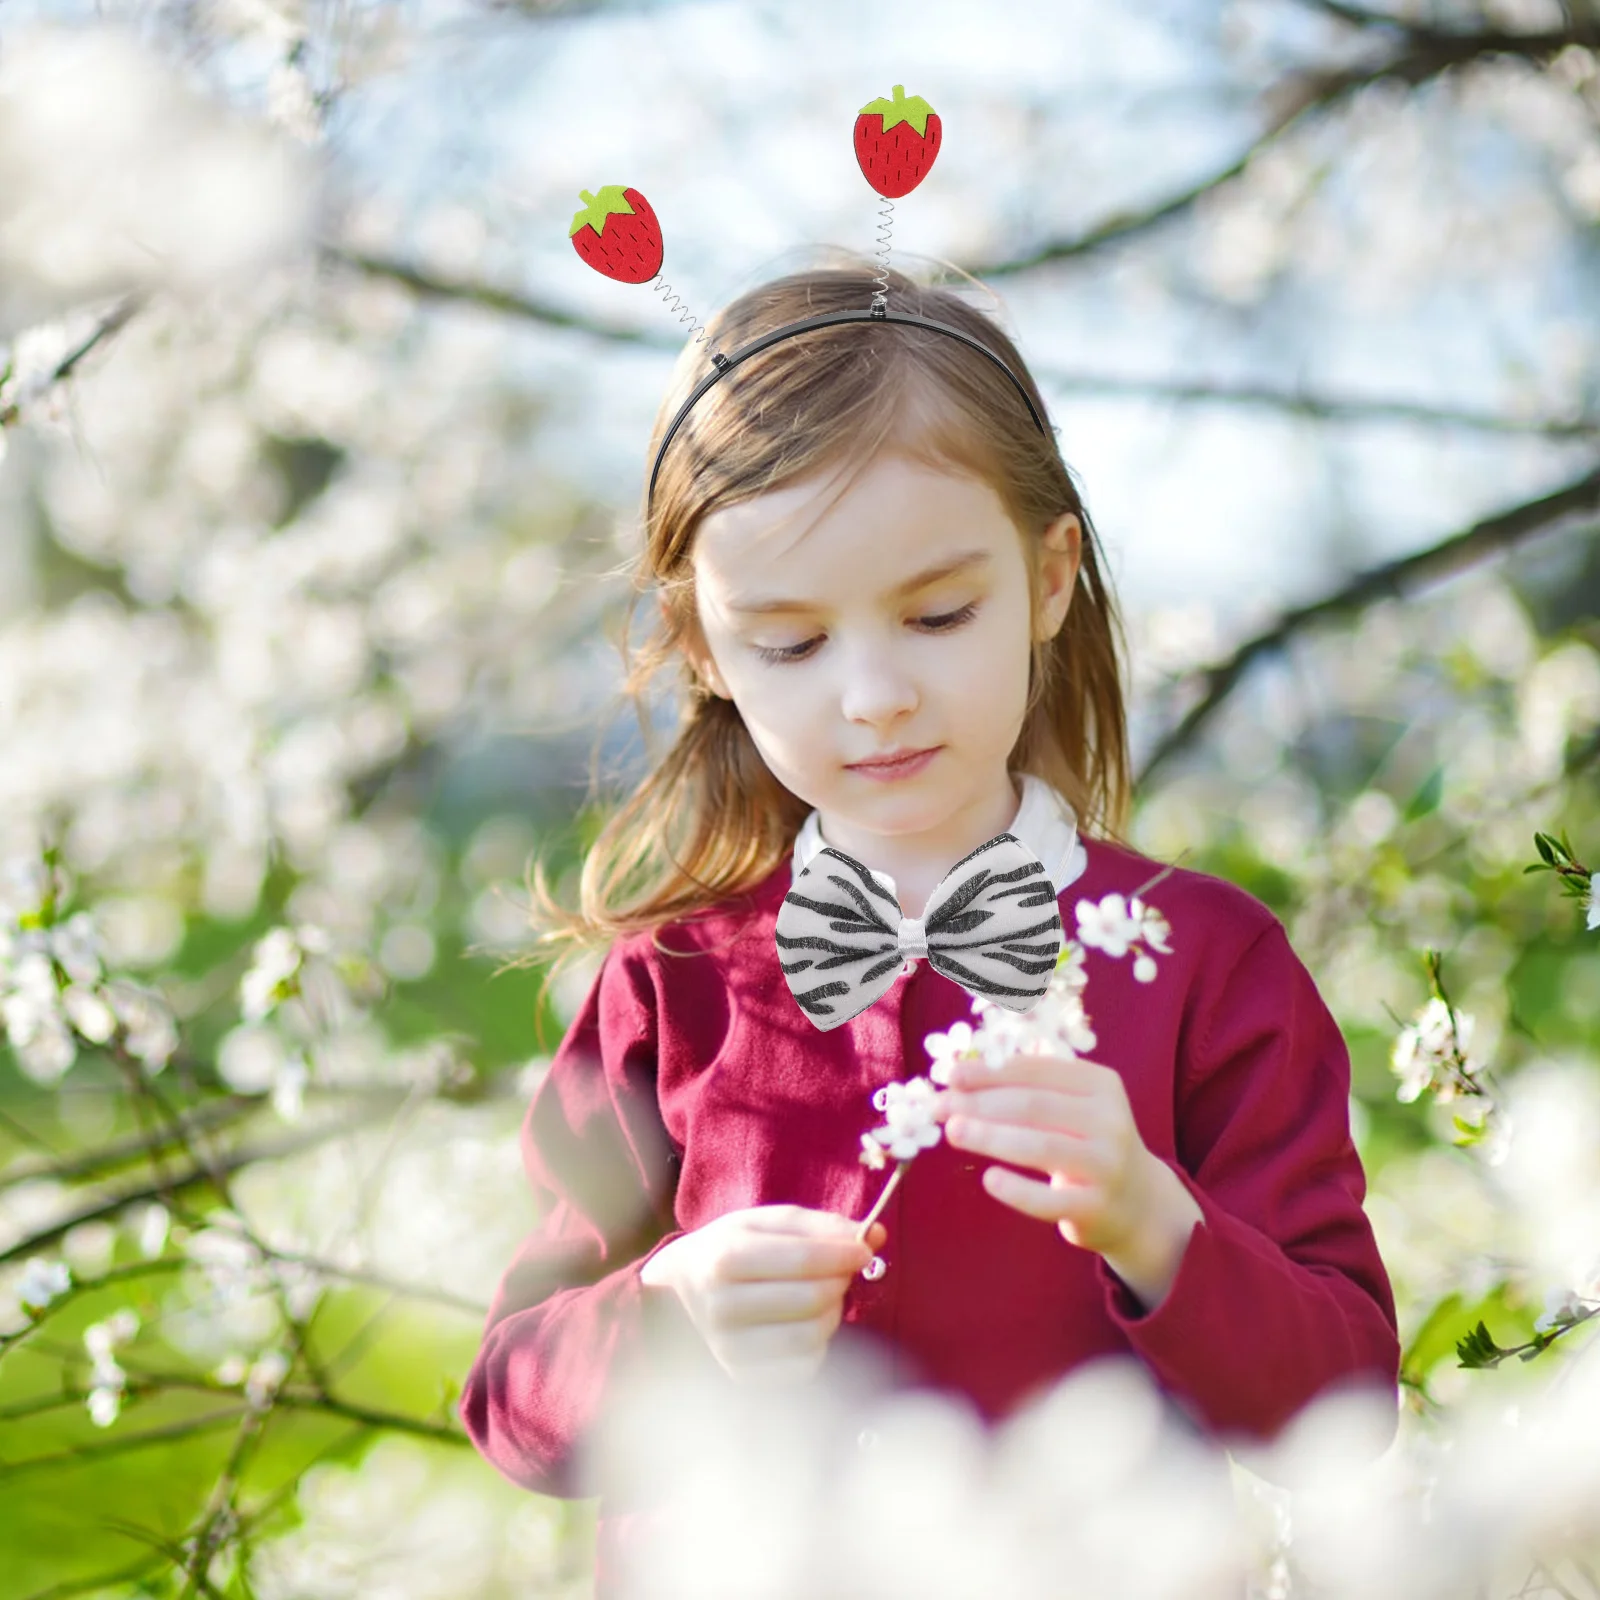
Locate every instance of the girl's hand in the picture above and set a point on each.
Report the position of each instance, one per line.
(1104, 1189)
(765, 1286)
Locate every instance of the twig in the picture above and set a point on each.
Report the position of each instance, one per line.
(1484, 539)
(882, 1200)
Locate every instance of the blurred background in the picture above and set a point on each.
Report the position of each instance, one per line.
(320, 457)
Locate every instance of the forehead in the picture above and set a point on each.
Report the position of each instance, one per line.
(874, 529)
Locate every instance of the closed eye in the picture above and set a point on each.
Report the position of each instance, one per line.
(947, 623)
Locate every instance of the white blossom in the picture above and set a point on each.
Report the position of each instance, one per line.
(1424, 1053)
(42, 1281)
(107, 1378)
(909, 1124)
(1591, 902)
(1117, 926)
(288, 1091)
(945, 1049)
(105, 1404)
(1560, 1306)
(151, 1030)
(275, 963)
(265, 1378)
(88, 1013)
(1107, 926)
(154, 1225)
(1153, 927)
(77, 946)
(872, 1153)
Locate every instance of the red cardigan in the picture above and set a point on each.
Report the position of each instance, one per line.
(691, 1085)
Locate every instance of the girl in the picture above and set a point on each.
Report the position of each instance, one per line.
(865, 547)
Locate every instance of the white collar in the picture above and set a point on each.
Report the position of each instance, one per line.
(1045, 822)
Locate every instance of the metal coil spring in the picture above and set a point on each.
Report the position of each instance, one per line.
(880, 299)
(673, 301)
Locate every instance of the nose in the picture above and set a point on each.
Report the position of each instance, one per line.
(878, 685)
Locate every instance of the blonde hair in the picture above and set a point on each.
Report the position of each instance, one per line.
(710, 820)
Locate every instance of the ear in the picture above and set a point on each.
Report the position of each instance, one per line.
(1060, 553)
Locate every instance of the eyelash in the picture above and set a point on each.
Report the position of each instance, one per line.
(950, 620)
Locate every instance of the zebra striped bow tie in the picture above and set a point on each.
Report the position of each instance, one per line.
(991, 925)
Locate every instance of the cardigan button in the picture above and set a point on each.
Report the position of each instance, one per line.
(867, 1439)
(874, 1269)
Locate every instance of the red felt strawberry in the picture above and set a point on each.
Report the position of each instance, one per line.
(618, 234)
(896, 141)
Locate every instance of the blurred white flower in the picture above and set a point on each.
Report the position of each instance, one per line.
(1591, 902)
(1071, 974)
(1117, 926)
(909, 1124)
(107, 1377)
(154, 1224)
(288, 1092)
(1560, 1306)
(88, 1013)
(945, 1049)
(1153, 927)
(115, 175)
(101, 1338)
(265, 1378)
(1426, 1052)
(31, 1017)
(232, 1369)
(872, 1153)
(275, 964)
(77, 946)
(105, 1403)
(1108, 926)
(151, 1031)
(42, 1281)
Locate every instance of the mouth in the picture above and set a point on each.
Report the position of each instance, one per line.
(899, 763)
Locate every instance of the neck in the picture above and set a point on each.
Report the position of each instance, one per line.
(917, 862)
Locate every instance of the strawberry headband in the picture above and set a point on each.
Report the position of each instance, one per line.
(896, 141)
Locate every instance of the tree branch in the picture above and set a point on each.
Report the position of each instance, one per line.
(234, 1161)
(507, 301)
(1425, 54)
(1323, 407)
(112, 322)
(1453, 555)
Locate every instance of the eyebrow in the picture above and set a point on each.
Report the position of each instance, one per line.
(967, 558)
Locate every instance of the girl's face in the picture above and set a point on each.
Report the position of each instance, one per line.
(850, 619)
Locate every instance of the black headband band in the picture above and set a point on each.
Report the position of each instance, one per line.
(725, 364)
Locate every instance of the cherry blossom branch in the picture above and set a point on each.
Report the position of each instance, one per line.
(1490, 537)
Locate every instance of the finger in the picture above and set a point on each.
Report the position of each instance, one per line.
(1069, 1074)
(1042, 1199)
(1046, 1149)
(758, 1257)
(1032, 1108)
(804, 1300)
(805, 1221)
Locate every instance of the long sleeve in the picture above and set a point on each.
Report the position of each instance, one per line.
(571, 1305)
(1281, 1291)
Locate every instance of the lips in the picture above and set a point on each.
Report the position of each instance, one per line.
(899, 758)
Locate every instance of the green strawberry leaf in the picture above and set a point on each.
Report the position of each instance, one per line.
(608, 203)
(914, 110)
